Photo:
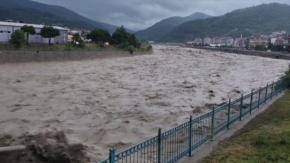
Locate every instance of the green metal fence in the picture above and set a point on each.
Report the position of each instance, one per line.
(180, 141)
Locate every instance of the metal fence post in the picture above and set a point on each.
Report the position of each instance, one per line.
(112, 156)
(266, 94)
(281, 86)
(229, 110)
(212, 123)
(241, 106)
(272, 90)
(277, 89)
(251, 104)
(159, 146)
(259, 98)
(190, 136)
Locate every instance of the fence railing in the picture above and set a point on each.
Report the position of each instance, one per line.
(180, 141)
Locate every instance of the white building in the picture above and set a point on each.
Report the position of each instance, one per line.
(7, 28)
(273, 40)
(207, 41)
(216, 40)
(230, 41)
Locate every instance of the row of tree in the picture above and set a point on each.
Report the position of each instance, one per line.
(18, 36)
(120, 38)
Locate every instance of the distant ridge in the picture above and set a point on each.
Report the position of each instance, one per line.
(252, 21)
(55, 10)
(159, 29)
(36, 17)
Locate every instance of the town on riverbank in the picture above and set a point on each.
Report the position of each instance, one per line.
(277, 42)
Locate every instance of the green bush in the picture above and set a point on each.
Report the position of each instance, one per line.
(149, 47)
(131, 49)
(124, 45)
(77, 41)
(17, 38)
(102, 45)
(260, 48)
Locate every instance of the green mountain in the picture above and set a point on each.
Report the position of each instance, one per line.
(159, 29)
(54, 10)
(36, 17)
(253, 21)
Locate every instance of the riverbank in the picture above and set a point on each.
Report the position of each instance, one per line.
(20, 56)
(274, 55)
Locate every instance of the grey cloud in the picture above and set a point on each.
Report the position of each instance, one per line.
(139, 14)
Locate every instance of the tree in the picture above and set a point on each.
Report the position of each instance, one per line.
(120, 36)
(260, 48)
(270, 46)
(77, 40)
(99, 36)
(29, 30)
(123, 39)
(17, 38)
(49, 32)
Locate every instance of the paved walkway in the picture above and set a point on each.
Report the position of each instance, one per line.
(205, 149)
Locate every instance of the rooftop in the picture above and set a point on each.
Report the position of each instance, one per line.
(34, 25)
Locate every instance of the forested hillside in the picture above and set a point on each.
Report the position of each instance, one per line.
(38, 17)
(159, 29)
(56, 11)
(253, 21)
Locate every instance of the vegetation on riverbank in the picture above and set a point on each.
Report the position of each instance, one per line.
(101, 40)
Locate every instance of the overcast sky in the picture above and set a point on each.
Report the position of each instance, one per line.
(140, 14)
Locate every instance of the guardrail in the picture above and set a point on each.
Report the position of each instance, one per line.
(173, 144)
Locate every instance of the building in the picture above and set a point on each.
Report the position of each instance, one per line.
(279, 41)
(72, 32)
(229, 41)
(254, 42)
(207, 41)
(216, 40)
(223, 41)
(239, 43)
(273, 40)
(198, 41)
(7, 28)
(70, 38)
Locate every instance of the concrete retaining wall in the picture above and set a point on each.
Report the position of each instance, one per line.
(253, 53)
(44, 56)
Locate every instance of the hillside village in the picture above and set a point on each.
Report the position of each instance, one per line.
(278, 38)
